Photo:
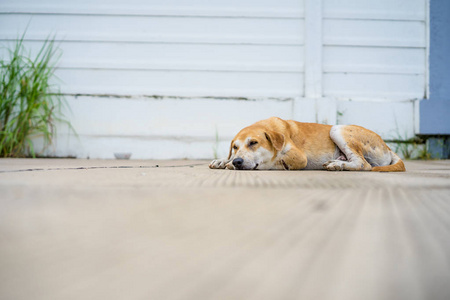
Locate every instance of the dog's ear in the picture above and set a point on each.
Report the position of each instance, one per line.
(277, 139)
(231, 149)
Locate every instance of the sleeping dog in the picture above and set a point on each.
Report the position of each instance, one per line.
(276, 144)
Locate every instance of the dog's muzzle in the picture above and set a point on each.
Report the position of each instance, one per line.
(238, 164)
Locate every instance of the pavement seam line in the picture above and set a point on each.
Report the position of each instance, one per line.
(96, 167)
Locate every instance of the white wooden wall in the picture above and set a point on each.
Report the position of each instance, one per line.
(175, 79)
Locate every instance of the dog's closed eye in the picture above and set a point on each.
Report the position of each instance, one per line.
(252, 143)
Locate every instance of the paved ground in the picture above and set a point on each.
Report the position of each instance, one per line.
(88, 229)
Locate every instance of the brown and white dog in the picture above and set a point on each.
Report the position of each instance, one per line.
(276, 144)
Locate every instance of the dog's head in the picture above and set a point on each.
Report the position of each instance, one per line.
(254, 148)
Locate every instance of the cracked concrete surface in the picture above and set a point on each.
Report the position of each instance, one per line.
(99, 229)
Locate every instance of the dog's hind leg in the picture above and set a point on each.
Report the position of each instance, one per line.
(346, 137)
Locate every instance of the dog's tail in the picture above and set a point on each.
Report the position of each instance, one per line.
(396, 165)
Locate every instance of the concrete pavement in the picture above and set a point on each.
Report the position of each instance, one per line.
(99, 229)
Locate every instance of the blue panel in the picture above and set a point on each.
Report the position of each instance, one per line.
(435, 112)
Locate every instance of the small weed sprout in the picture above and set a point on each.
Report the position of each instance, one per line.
(339, 115)
(411, 148)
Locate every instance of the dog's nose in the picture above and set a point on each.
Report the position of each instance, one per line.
(237, 162)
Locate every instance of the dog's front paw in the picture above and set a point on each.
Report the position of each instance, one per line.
(218, 164)
(230, 165)
(334, 165)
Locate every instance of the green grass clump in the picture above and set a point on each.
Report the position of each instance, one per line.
(30, 106)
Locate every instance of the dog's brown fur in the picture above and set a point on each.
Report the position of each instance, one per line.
(278, 144)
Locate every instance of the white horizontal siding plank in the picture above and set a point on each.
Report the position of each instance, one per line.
(340, 59)
(180, 83)
(173, 128)
(150, 11)
(144, 56)
(390, 120)
(101, 147)
(154, 29)
(171, 118)
(380, 9)
(374, 86)
(234, 8)
(374, 33)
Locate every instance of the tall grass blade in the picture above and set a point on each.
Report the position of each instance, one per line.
(30, 105)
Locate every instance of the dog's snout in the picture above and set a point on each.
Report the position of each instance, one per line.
(238, 162)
